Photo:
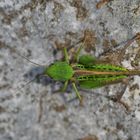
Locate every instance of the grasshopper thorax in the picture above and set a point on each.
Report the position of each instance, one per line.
(59, 70)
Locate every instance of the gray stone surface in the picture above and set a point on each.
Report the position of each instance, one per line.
(34, 29)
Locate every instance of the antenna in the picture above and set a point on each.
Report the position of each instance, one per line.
(28, 59)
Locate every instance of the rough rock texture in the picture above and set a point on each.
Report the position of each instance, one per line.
(37, 29)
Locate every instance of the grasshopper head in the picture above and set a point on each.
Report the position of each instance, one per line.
(61, 71)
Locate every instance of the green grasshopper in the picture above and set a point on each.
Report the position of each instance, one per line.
(86, 72)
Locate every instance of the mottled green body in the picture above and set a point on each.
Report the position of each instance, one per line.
(86, 72)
